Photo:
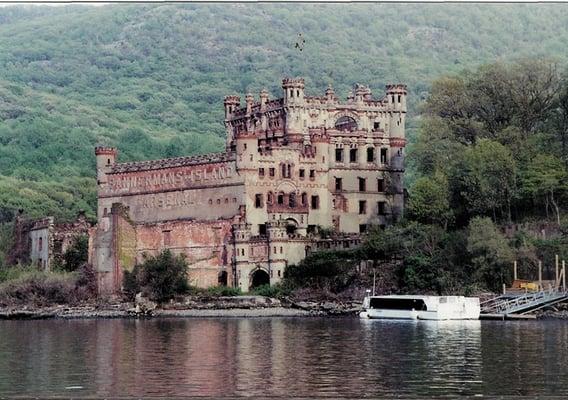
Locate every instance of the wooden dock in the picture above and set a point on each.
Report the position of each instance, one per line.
(503, 317)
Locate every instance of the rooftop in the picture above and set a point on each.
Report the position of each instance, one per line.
(172, 162)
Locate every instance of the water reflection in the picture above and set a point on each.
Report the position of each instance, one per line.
(281, 357)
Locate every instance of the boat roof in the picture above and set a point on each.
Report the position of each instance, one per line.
(410, 296)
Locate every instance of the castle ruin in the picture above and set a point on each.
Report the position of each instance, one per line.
(291, 166)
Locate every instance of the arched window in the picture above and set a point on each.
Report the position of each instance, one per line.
(269, 198)
(346, 123)
(292, 200)
(304, 199)
(280, 198)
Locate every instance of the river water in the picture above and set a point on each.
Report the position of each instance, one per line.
(282, 357)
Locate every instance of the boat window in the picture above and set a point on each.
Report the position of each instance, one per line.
(398, 304)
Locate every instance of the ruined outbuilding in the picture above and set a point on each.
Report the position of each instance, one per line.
(291, 166)
(43, 242)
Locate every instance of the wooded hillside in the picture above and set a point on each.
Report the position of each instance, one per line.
(151, 79)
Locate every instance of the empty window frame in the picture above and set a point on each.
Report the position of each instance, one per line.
(384, 155)
(370, 154)
(315, 202)
(362, 207)
(338, 155)
(353, 155)
(258, 200)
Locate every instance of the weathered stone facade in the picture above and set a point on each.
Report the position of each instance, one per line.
(42, 242)
(291, 166)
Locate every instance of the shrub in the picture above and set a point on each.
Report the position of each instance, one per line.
(26, 286)
(160, 278)
(275, 291)
(327, 270)
(223, 291)
(77, 254)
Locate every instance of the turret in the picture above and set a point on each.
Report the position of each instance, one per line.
(106, 158)
(249, 99)
(231, 104)
(362, 93)
(397, 97)
(263, 102)
(293, 90)
(263, 99)
(330, 94)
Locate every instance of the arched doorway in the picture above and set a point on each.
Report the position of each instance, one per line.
(222, 278)
(258, 278)
(291, 226)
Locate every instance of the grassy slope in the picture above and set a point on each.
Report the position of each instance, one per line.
(151, 79)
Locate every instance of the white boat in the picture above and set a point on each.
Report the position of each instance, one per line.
(420, 307)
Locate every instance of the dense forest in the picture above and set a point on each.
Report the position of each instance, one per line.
(487, 125)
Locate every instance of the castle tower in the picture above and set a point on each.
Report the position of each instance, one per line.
(263, 103)
(294, 105)
(232, 103)
(396, 95)
(106, 158)
(293, 90)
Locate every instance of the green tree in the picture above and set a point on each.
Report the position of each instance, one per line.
(77, 254)
(491, 256)
(489, 178)
(159, 277)
(546, 177)
(429, 201)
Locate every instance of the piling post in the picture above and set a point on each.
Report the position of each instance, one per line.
(564, 275)
(515, 270)
(540, 275)
(556, 281)
(504, 288)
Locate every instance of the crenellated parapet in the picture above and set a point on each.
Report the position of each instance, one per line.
(292, 120)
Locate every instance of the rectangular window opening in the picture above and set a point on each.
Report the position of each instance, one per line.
(258, 201)
(262, 229)
(370, 154)
(383, 156)
(362, 207)
(315, 202)
(353, 155)
(381, 205)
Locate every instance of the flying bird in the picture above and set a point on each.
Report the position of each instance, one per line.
(300, 43)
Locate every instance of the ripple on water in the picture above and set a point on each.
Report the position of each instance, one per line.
(282, 357)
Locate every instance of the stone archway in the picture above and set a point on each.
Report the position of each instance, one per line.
(258, 278)
(222, 278)
(291, 226)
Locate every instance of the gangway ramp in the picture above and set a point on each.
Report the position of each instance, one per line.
(522, 303)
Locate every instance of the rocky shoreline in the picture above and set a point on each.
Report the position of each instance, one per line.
(238, 306)
(208, 307)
